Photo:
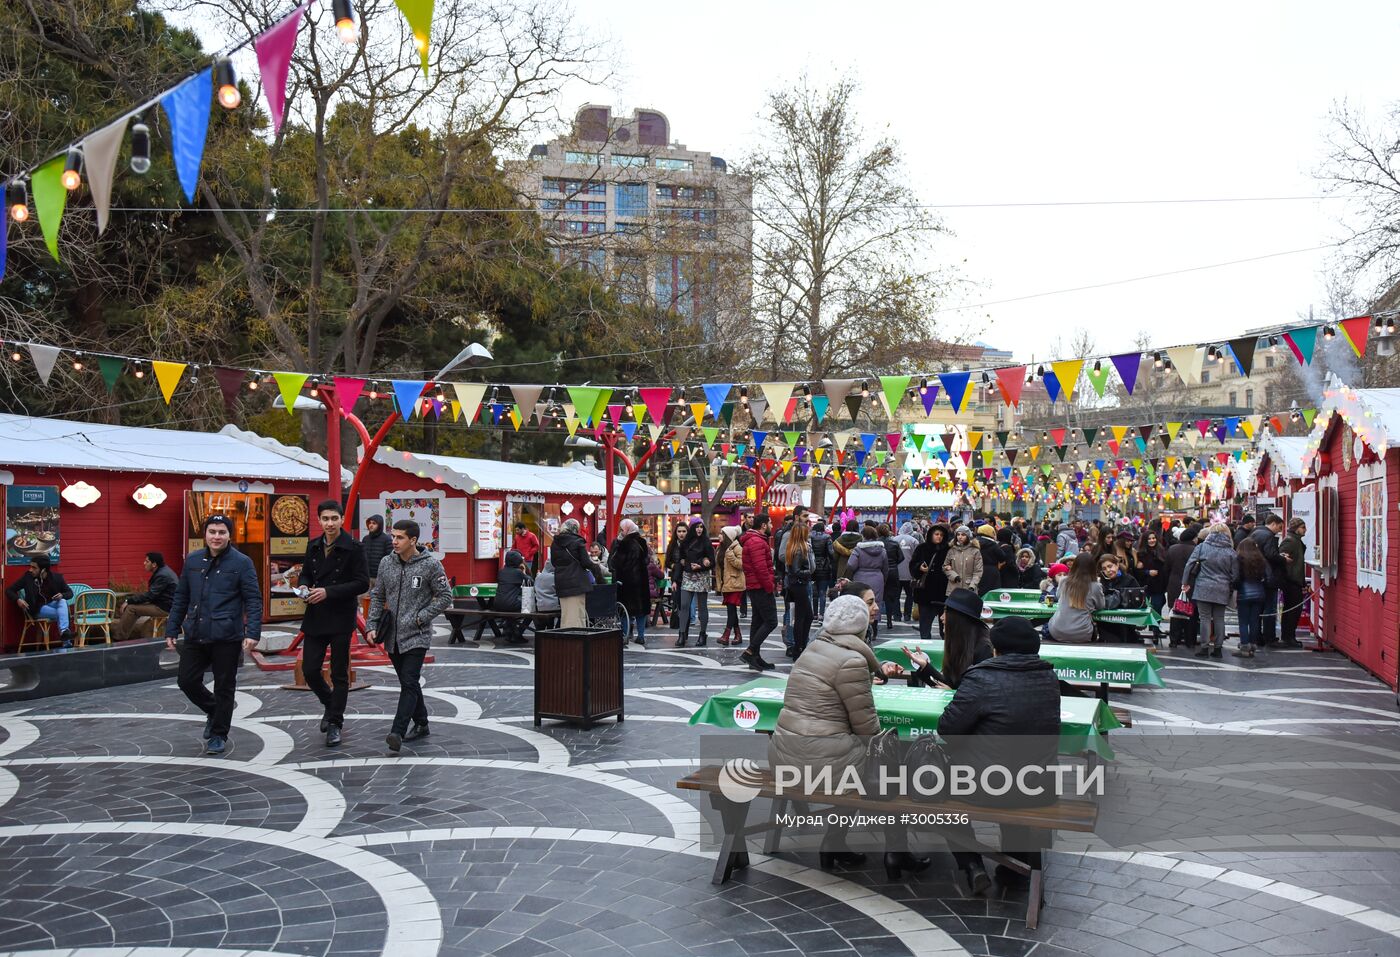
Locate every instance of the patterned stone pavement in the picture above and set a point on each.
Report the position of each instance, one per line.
(493, 837)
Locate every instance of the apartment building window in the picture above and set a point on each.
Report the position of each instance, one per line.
(574, 206)
(630, 199)
(575, 187)
(1269, 397)
(667, 163)
(1268, 362)
(629, 229)
(1234, 369)
(622, 159)
(590, 159)
(1234, 398)
(581, 226)
(1205, 376)
(1249, 398)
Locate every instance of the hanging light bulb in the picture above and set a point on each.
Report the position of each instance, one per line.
(1040, 372)
(1098, 366)
(1329, 333)
(923, 386)
(72, 176)
(15, 356)
(420, 43)
(1157, 360)
(227, 84)
(1390, 326)
(140, 147)
(18, 201)
(78, 362)
(253, 385)
(139, 372)
(864, 389)
(345, 28)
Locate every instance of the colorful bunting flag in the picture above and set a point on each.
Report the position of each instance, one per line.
(419, 14)
(44, 358)
(289, 386)
(274, 48)
(1302, 342)
(1067, 372)
(347, 393)
(99, 163)
(715, 394)
(187, 107)
(1128, 364)
(955, 384)
(1243, 351)
(46, 188)
(469, 396)
(655, 400)
(111, 368)
(407, 393)
(1355, 331)
(167, 376)
(892, 388)
(230, 381)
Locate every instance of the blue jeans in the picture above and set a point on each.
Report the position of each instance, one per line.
(56, 610)
(639, 622)
(1249, 611)
(820, 586)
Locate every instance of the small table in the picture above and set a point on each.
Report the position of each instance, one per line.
(755, 706)
(1101, 665)
(1024, 603)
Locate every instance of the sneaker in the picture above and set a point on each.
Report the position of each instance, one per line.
(215, 745)
(1290, 643)
(208, 727)
(1245, 652)
(394, 741)
(333, 737)
(417, 731)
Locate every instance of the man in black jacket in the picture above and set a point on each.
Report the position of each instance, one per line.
(1006, 713)
(1267, 540)
(217, 603)
(336, 575)
(377, 544)
(41, 592)
(152, 603)
(572, 568)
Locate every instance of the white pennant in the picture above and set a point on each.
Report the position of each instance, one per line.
(100, 151)
(469, 394)
(44, 358)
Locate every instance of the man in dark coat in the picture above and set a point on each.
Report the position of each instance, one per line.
(993, 559)
(377, 544)
(218, 607)
(572, 570)
(629, 560)
(41, 592)
(510, 594)
(1006, 713)
(1183, 631)
(1266, 537)
(336, 574)
(154, 602)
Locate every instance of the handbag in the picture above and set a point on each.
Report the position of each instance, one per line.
(925, 751)
(1183, 606)
(882, 752)
(384, 627)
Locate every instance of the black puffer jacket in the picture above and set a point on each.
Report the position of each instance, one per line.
(572, 565)
(935, 583)
(1177, 557)
(509, 582)
(377, 545)
(1006, 712)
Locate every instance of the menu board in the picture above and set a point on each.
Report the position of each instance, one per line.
(288, 537)
(31, 523)
(490, 531)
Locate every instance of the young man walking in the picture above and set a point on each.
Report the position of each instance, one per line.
(410, 590)
(335, 572)
(218, 606)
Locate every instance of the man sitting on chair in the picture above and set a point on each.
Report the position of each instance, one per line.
(41, 592)
(152, 603)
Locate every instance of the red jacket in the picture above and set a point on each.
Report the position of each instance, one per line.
(758, 561)
(528, 545)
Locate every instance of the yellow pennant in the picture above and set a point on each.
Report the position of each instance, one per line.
(168, 375)
(697, 409)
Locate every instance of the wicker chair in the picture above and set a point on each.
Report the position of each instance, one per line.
(36, 628)
(94, 609)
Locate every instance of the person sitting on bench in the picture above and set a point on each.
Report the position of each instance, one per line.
(509, 584)
(1013, 696)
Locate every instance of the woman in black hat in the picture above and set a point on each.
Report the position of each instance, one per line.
(966, 641)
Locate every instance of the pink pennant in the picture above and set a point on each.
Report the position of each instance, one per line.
(655, 400)
(1204, 426)
(347, 393)
(274, 49)
(615, 413)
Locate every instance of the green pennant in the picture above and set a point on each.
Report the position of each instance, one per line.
(46, 185)
(880, 457)
(792, 438)
(1308, 416)
(1002, 437)
(111, 368)
(601, 406)
(894, 387)
(419, 14)
(1098, 378)
(289, 385)
(584, 398)
(726, 412)
(711, 432)
(1090, 435)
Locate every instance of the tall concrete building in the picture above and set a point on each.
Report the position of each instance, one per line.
(665, 225)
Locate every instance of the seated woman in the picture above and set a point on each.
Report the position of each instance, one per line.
(1079, 597)
(828, 711)
(546, 599)
(510, 581)
(1114, 578)
(966, 641)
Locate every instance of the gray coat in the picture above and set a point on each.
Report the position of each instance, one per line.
(869, 564)
(415, 591)
(1076, 625)
(1213, 569)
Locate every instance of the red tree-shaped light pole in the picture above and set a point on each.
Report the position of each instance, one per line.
(896, 490)
(611, 455)
(765, 474)
(843, 484)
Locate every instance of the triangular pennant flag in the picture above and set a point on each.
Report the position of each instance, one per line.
(928, 395)
(853, 403)
(1302, 342)
(456, 409)
(711, 433)
(1011, 381)
(1356, 330)
(1058, 436)
(601, 403)
(527, 397)
(615, 413)
(1187, 361)
(111, 368)
(1098, 378)
(1011, 455)
(187, 106)
(347, 393)
(1173, 428)
(274, 48)
(892, 389)
(99, 163)
(44, 358)
(837, 389)
(1067, 372)
(629, 429)
(715, 394)
(1243, 351)
(1308, 416)
(419, 14)
(1052, 386)
(758, 438)
(571, 423)
(407, 391)
(955, 384)
(893, 441)
(1128, 365)
(777, 394)
(820, 403)
(469, 395)
(584, 398)
(46, 185)
(697, 411)
(1090, 435)
(289, 385)
(1002, 437)
(655, 400)
(167, 376)
(757, 408)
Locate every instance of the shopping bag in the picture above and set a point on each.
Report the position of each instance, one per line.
(1183, 606)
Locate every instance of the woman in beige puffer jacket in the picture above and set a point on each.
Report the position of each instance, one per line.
(963, 566)
(730, 582)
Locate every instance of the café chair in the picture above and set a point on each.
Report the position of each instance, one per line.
(38, 628)
(94, 609)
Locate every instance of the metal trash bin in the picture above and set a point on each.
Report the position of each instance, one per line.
(578, 675)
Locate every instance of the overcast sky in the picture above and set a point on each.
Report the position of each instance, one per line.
(1027, 103)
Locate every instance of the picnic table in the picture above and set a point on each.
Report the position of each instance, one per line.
(755, 706)
(1102, 665)
(474, 603)
(1029, 604)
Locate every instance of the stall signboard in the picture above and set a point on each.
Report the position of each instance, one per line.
(288, 537)
(31, 523)
(1303, 504)
(418, 507)
(489, 529)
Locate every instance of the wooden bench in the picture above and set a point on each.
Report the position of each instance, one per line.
(1066, 814)
(485, 618)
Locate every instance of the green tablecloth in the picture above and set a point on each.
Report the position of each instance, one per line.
(1037, 611)
(1014, 594)
(755, 707)
(1091, 664)
(481, 590)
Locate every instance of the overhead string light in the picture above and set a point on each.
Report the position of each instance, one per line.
(345, 26)
(226, 83)
(17, 198)
(72, 176)
(140, 146)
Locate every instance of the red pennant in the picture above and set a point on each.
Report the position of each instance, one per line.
(230, 382)
(655, 399)
(1010, 382)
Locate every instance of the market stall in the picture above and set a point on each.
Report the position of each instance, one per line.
(468, 508)
(95, 498)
